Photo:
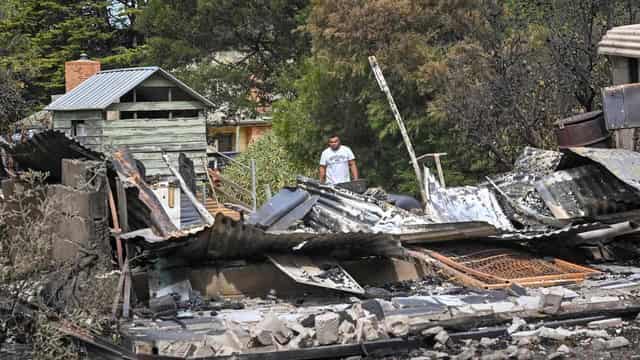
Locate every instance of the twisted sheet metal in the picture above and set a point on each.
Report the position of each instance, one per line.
(623, 164)
(229, 239)
(45, 151)
(586, 191)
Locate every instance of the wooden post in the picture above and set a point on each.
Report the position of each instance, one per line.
(403, 130)
(169, 97)
(426, 173)
(122, 206)
(116, 226)
(126, 299)
(116, 299)
(135, 99)
(254, 195)
(238, 138)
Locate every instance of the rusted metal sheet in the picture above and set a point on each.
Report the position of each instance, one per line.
(586, 129)
(585, 191)
(143, 205)
(324, 273)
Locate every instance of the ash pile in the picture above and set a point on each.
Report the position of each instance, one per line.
(538, 262)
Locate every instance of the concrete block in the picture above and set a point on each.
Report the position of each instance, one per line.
(442, 337)
(397, 325)
(524, 354)
(503, 307)
(304, 339)
(526, 334)
(433, 331)
(272, 328)
(90, 205)
(76, 173)
(603, 302)
(599, 344)
(550, 300)
(606, 323)
(327, 328)
(617, 342)
(347, 333)
(593, 333)
(558, 334)
(487, 342)
(70, 233)
(369, 329)
(529, 303)
(516, 324)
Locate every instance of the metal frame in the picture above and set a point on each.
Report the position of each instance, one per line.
(484, 280)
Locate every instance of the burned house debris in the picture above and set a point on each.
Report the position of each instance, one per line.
(521, 265)
(294, 279)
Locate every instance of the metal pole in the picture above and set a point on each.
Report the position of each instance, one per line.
(253, 185)
(267, 191)
(436, 159)
(403, 130)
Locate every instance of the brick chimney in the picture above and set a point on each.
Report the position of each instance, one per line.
(77, 71)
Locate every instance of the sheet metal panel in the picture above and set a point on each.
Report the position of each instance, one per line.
(585, 191)
(624, 164)
(621, 106)
(45, 151)
(106, 87)
(102, 89)
(466, 203)
(324, 273)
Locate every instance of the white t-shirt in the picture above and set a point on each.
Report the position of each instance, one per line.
(337, 164)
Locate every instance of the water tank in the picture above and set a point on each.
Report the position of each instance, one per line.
(588, 130)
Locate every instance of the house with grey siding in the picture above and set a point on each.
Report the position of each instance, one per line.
(146, 109)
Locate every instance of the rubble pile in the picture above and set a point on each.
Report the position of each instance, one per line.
(503, 269)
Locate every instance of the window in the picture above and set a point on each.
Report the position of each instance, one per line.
(225, 142)
(633, 70)
(77, 128)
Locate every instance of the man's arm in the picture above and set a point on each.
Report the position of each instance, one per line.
(323, 173)
(354, 169)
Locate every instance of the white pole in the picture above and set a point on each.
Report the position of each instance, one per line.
(403, 130)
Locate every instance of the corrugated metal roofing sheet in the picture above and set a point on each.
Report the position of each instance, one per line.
(621, 41)
(624, 164)
(585, 191)
(45, 151)
(106, 87)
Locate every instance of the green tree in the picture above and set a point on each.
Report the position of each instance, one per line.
(336, 92)
(262, 33)
(274, 167)
(39, 36)
(12, 104)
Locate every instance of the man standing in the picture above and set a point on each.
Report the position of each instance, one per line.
(336, 162)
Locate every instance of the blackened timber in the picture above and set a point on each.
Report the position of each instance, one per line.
(154, 215)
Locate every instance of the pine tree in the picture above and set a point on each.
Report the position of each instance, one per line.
(38, 36)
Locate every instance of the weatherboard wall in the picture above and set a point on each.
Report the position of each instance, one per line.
(147, 139)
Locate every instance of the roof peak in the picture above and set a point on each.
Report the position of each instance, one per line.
(131, 69)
